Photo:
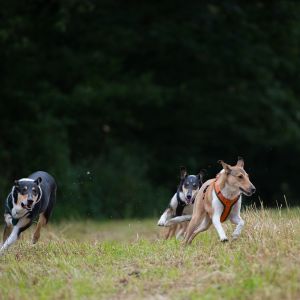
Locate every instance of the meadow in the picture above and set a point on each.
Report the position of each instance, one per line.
(130, 260)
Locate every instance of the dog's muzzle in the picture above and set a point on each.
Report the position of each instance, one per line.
(248, 192)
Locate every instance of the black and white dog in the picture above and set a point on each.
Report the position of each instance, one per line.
(182, 202)
(29, 198)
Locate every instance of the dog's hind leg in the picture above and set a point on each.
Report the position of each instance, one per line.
(193, 227)
(171, 232)
(194, 223)
(182, 230)
(41, 222)
(205, 224)
(49, 209)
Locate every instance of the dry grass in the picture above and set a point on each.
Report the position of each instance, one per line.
(128, 260)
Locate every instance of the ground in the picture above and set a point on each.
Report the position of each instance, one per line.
(129, 260)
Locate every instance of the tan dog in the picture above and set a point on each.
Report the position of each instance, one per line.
(219, 199)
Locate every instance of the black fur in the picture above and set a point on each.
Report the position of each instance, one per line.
(46, 196)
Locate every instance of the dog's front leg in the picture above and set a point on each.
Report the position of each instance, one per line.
(11, 239)
(239, 226)
(217, 212)
(217, 223)
(178, 220)
(17, 229)
(236, 219)
(165, 217)
(169, 212)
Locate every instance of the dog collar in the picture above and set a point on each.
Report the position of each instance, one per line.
(227, 203)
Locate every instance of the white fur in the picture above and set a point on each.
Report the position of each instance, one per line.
(177, 220)
(14, 234)
(234, 214)
(26, 179)
(236, 219)
(217, 212)
(168, 213)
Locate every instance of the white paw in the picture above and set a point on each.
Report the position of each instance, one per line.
(235, 236)
(162, 221)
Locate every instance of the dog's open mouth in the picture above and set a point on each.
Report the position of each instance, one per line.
(188, 201)
(245, 192)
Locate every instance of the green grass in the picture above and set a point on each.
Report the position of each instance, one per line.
(130, 260)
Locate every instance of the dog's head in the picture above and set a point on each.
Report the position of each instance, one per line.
(236, 177)
(26, 194)
(190, 184)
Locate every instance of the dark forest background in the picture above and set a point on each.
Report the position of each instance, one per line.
(111, 97)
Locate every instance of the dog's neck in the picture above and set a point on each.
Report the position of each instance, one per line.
(228, 191)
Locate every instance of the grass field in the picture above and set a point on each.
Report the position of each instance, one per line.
(130, 260)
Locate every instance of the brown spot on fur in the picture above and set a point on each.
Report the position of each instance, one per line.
(21, 198)
(41, 222)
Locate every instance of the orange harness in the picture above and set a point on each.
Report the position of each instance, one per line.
(227, 203)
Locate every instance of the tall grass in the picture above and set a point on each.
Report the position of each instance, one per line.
(130, 260)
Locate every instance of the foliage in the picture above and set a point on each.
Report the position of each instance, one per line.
(129, 91)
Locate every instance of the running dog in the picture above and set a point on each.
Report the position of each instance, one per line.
(219, 199)
(181, 204)
(29, 198)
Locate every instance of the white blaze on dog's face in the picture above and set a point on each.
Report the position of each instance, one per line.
(26, 193)
(238, 178)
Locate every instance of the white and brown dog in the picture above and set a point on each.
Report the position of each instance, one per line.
(220, 199)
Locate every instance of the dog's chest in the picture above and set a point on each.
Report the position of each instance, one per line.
(188, 210)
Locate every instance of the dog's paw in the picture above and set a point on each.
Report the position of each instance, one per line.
(235, 236)
(161, 223)
(225, 240)
(35, 239)
(168, 223)
(162, 220)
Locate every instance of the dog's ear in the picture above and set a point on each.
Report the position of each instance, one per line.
(183, 172)
(225, 166)
(16, 183)
(240, 162)
(38, 180)
(201, 175)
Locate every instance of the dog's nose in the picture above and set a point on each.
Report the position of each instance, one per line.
(189, 197)
(29, 203)
(22, 204)
(253, 189)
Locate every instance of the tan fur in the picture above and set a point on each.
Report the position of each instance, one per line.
(41, 222)
(21, 198)
(203, 202)
(172, 230)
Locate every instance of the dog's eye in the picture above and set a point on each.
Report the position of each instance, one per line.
(34, 191)
(241, 176)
